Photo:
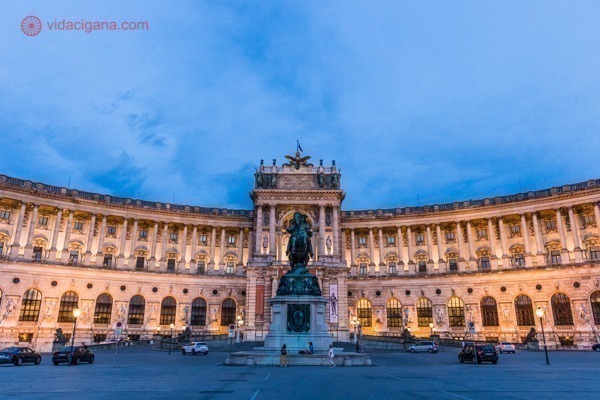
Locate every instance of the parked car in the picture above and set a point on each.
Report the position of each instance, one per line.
(430, 347)
(596, 347)
(480, 353)
(80, 354)
(194, 348)
(505, 347)
(19, 355)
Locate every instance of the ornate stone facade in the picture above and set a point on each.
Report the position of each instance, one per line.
(489, 262)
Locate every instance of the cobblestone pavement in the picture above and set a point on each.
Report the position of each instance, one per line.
(137, 373)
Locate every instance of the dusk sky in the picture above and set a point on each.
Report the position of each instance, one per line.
(419, 102)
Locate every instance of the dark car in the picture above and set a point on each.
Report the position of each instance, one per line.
(19, 355)
(80, 354)
(482, 352)
(596, 347)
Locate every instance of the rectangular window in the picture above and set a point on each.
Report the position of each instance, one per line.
(202, 239)
(201, 270)
(108, 259)
(484, 263)
(594, 253)
(231, 240)
(362, 268)
(1, 248)
(515, 230)
(111, 230)
(140, 263)
(392, 268)
(73, 257)
(450, 237)
(550, 225)
(173, 236)
(453, 264)
(420, 239)
(422, 266)
(43, 221)
(144, 234)
(37, 254)
(391, 240)
(519, 260)
(555, 257)
(362, 241)
(588, 220)
(229, 267)
(4, 214)
(482, 233)
(78, 226)
(171, 265)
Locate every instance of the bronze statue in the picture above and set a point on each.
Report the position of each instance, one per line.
(59, 337)
(299, 249)
(531, 336)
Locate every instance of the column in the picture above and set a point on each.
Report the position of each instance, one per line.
(503, 243)
(193, 248)
(65, 251)
(240, 262)
(272, 245)
(411, 254)
(29, 243)
(211, 262)
(492, 238)
(14, 251)
(352, 248)
(321, 231)
(121, 256)
(337, 249)
(400, 246)
(429, 241)
(55, 231)
(371, 252)
(536, 231)
(278, 244)
(441, 261)
(258, 232)
(152, 261)
(222, 250)
(525, 231)
(342, 247)
(381, 259)
(250, 241)
(577, 251)
(183, 249)
(597, 216)
(134, 235)
(87, 260)
(162, 264)
(564, 252)
(472, 259)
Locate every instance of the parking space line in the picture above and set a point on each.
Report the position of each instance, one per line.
(267, 378)
(455, 395)
(395, 377)
(255, 395)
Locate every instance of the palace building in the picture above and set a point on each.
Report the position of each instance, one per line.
(478, 267)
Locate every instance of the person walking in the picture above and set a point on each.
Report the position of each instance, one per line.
(283, 357)
(331, 356)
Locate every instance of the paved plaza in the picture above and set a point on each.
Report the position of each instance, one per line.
(140, 373)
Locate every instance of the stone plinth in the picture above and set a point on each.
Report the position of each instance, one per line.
(252, 358)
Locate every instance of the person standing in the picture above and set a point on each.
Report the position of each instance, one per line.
(283, 357)
(331, 356)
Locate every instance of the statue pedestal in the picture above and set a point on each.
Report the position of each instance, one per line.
(297, 320)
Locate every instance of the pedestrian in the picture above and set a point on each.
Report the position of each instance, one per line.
(331, 355)
(358, 346)
(283, 357)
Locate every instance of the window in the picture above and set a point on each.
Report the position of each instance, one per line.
(391, 240)
(201, 267)
(68, 302)
(453, 264)
(489, 311)
(137, 305)
(230, 267)
(103, 309)
(171, 265)
(198, 316)
(392, 268)
(4, 214)
(37, 253)
(364, 312)
(43, 221)
(228, 312)
(394, 313)
(594, 253)
(111, 230)
(524, 311)
(484, 262)
(420, 239)
(588, 220)
(595, 300)
(108, 260)
(550, 225)
(515, 230)
(555, 257)
(1, 248)
(450, 237)
(482, 233)
(78, 226)
(362, 268)
(561, 309)
(173, 236)
(30, 306)
(202, 239)
(519, 260)
(231, 240)
(362, 241)
(144, 234)
(168, 309)
(422, 266)
(140, 262)
(73, 257)
(456, 312)
(424, 312)
(99, 337)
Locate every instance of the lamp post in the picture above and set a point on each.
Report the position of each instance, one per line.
(540, 313)
(240, 322)
(172, 325)
(431, 333)
(354, 323)
(76, 314)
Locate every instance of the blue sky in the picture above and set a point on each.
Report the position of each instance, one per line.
(418, 102)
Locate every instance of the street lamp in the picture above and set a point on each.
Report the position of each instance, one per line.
(431, 334)
(172, 325)
(354, 323)
(240, 322)
(540, 313)
(76, 314)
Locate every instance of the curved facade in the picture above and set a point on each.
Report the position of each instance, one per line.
(440, 269)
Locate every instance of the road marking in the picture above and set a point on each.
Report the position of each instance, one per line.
(128, 365)
(219, 363)
(456, 395)
(267, 378)
(255, 395)
(396, 377)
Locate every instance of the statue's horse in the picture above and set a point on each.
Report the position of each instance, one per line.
(299, 248)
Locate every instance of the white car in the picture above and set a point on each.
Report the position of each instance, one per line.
(431, 347)
(505, 347)
(194, 348)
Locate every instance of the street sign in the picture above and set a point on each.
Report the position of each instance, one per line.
(231, 330)
(119, 329)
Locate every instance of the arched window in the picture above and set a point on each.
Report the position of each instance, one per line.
(68, 302)
(137, 306)
(103, 309)
(524, 311)
(168, 309)
(456, 312)
(489, 311)
(424, 312)
(198, 312)
(561, 309)
(595, 300)
(364, 312)
(394, 313)
(228, 312)
(30, 306)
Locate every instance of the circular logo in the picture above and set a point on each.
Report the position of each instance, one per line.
(31, 25)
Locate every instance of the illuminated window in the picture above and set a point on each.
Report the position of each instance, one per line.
(30, 306)
(231, 240)
(424, 312)
(524, 311)
(230, 267)
(198, 315)
(103, 309)
(202, 239)
(561, 309)
(137, 306)
(489, 311)
(364, 312)
(391, 240)
(394, 313)
(456, 312)
(362, 241)
(68, 302)
(168, 309)
(228, 309)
